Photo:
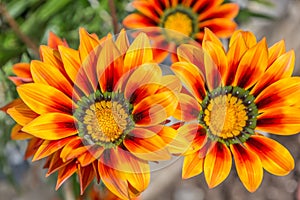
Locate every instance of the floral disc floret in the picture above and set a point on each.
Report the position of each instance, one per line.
(180, 19)
(229, 115)
(104, 119)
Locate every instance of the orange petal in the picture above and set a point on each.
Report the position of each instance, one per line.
(154, 109)
(32, 147)
(218, 57)
(236, 50)
(90, 155)
(51, 126)
(284, 92)
(12, 104)
(280, 120)
(147, 9)
(252, 66)
(210, 36)
(195, 134)
(55, 163)
(228, 10)
(248, 37)
(217, 165)
(248, 166)
(138, 53)
(22, 70)
(275, 158)
(192, 54)
(87, 44)
(192, 165)
(176, 143)
(54, 41)
(188, 108)
(276, 51)
(149, 73)
(85, 176)
(47, 74)
(147, 145)
(281, 68)
(48, 147)
(17, 134)
(191, 77)
(43, 98)
(22, 114)
(122, 42)
(64, 173)
(52, 57)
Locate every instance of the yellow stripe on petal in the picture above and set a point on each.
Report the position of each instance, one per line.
(87, 43)
(276, 51)
(217, 165)
(51, 126)
(210, 36)
(138, 53)
(275, 158)
(44, 98)
(64, 173)
(192, 165)
(248, 166)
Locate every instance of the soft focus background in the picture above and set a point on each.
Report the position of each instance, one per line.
(25, 24)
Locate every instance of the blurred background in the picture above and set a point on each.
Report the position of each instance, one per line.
(25, 24)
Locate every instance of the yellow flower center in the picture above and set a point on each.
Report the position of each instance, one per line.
(226, 116)
(105, 121)
(229, 115)
(180, 22)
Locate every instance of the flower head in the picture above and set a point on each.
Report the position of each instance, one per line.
(238, 95)
(180, 21)
(99, 111)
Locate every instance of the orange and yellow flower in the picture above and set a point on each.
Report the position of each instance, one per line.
(237, 95)
(181, 20)
(99, 111)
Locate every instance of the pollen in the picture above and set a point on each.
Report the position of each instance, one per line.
(105, 121)
(180, 22)
(226, 116)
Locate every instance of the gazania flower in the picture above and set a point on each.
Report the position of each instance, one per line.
(238, 94)
(99, 112)
(181, 20)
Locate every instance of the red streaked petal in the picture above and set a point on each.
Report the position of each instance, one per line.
(147, 9)
(228, 10)
(155, 109)
(210, 36)
(43, 98)
(248, 166)
(52, 126)
(281, 68)
(188, 108)
(147, 145)
(48, 147)
(252, 65)
(284, 92)
(222, 27)
(56, 163)
(122, 42)
(217, 164)
(280, 120)
(12, 104)
(191, 77)
(65, 172)
(192, 165)
(90, 156)
(44, 73)
(149, 73)
(68, 148)
(275, 158)
(136, 20)
(85, 176)
(192, 54)
(52, 57)
(194, 134)
(32, 147)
